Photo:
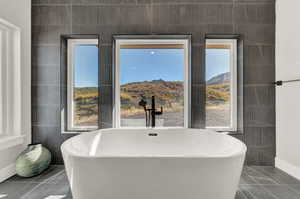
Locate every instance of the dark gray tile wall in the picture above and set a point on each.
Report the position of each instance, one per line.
(253, 19)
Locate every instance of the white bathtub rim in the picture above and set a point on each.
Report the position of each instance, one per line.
(241, 152)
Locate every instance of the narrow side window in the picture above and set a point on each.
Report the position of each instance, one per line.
(83, 85)
(221, 84)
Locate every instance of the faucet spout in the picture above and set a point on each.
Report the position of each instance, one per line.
(153, 109)
(151, 112)
(154, 112)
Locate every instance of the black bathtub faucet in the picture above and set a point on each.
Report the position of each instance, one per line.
(150, 113)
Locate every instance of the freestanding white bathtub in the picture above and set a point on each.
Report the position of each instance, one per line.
(153, 164)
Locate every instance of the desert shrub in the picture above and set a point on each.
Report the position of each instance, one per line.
(216, 95)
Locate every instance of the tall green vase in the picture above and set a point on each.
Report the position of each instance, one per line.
(33, 161)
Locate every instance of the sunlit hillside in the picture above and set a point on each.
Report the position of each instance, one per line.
(169, 95)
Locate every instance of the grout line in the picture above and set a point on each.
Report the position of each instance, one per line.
(44, 65)
(158, 3)
(258, 85)
(47, 126)
(183, 25)
(71, 19)
(54, 4)
(151, 17)
(233, 18)
(214, 3)
(258, 184)
(49, 44)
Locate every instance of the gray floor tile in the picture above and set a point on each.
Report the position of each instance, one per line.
(277, 175)
(54, 171)
(56, 191)
(295, 187)
(240, 195)
(58, 178)
(282, 191)
(255, 183)
(256, 192)
(15, 190)
(258, 176)
(246, 179)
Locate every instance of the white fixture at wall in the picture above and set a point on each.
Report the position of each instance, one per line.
(15, 82)
(10, 85)
(11, 136)
(288, 95)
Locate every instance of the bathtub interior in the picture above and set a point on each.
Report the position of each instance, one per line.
(154, 143)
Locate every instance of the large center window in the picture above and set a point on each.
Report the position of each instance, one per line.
(146, 68)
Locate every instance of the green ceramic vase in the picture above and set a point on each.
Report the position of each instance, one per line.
(33, 161)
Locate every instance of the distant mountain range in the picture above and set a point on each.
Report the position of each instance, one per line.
(168, 93)
(219, 79)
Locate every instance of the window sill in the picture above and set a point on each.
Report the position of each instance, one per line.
(11, 141)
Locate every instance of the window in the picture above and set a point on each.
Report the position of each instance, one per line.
(221, 84)
(151, 67)
(83, 85)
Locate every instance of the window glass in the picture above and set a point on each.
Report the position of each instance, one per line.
(85, 86)
(220, 91)
(147, 71)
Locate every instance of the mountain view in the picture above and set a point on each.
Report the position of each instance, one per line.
(218, 89)
(218, 101)
(152, 71)
(168, 95)
(219, 79)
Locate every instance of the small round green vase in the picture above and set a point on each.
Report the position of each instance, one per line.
(33, 161)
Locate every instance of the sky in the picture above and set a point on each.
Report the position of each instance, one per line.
(151, 64)
(217, 62)
(86, 66)
(145, 65)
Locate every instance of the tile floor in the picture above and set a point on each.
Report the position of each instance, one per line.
(256, 183)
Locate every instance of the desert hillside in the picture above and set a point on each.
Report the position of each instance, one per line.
(169, 94)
